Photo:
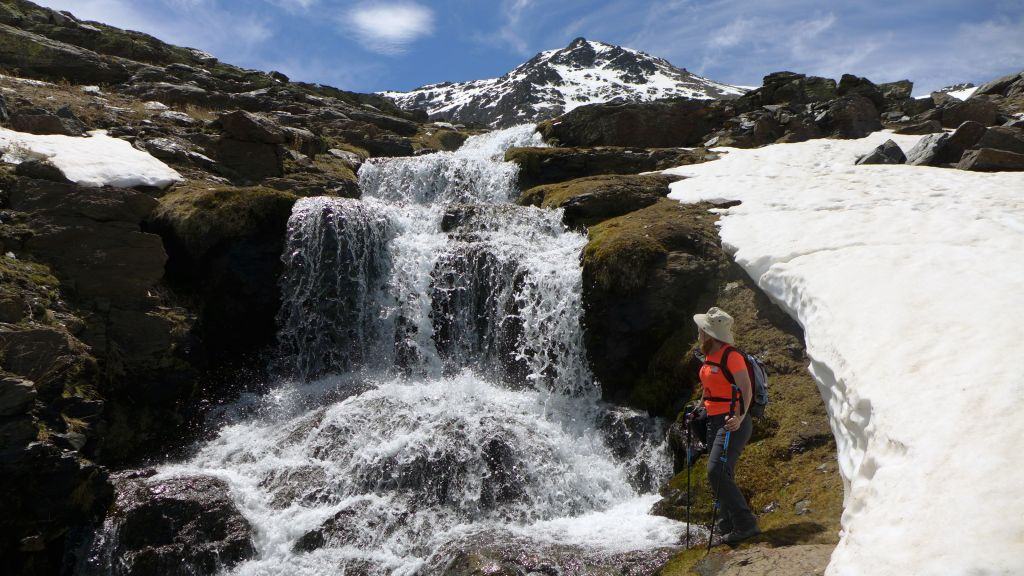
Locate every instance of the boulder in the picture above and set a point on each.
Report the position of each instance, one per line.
(965, 136)
(887, 153)
(178, 526)
(850, 84)
(587, 201)
(249, 127)
(50, 357)
(224, 246)
(788, 88)
(657, 124)
(16, 396)
(920, 128)
(91, 238)
(1006, 138)
(989, 160)
(41, 170)
(1001, 86)
(978, 110)
(927, 149)
(897, 91)
(644, 275)
(850, 117)
(548, 165)
(39, 121)
(249, 161)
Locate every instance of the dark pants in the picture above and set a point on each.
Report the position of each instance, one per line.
(721, 475)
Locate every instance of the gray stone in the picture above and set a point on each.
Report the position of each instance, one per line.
(923, 127)
(926, 150)
(979, 110)
(899, 90)
(887, 153)
(964, 137)
(39, 121)
(989, 160)
(16, 396)
(248, 127)
(1006, 138)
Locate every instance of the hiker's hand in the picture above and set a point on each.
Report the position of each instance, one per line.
(732, 423)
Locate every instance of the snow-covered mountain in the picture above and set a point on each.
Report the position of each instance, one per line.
(556, 81)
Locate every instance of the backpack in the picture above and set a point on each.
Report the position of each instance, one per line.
(758, 379)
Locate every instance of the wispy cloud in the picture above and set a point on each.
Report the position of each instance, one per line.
(390, 28)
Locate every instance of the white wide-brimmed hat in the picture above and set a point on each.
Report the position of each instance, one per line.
(717, 324)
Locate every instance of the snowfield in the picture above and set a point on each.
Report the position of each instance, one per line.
(98, 160)
(909, 285)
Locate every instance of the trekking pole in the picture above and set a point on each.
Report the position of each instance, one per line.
(689, 447)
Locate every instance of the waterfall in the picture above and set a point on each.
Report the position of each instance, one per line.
(438, 391)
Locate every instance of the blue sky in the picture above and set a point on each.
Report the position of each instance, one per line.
(400, 44)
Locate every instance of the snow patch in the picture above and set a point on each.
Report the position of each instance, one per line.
(907, 282)
(98, 160)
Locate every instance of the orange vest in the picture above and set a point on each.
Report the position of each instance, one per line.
(715, 383)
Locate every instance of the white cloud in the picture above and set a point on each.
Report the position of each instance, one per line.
(390, 28)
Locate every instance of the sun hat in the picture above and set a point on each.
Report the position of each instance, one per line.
(717, 324)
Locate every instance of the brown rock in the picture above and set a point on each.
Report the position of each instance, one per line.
(249, 127)
(920, 128)
(979, 110)
(1006, 138)
(989, 160)
(659, 124)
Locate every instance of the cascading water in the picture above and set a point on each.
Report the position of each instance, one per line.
(441, 396)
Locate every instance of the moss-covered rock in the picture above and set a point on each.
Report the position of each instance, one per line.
(539, 166)
(224, 246)
(644, 275)
(587, 201)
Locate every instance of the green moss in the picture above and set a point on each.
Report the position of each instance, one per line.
(201, 216)
(335, 167)
(621, 251)
(434, 138)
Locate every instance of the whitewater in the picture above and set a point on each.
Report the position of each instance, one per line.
(434, 393)
(907, 281)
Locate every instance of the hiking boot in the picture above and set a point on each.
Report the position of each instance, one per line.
(737, 536)
(724, 526)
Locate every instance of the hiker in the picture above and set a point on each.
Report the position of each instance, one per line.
(727, 411)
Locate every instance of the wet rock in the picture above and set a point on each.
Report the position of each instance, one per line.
(851, 117)
(920, 128)
(1008, 138)
(47, 494)
(850, 84)
(887, 153)
(16, 396)
(989, 160)
(978, 110)
(590, 200)
(658, 124)
(179, 526)
(548, 165)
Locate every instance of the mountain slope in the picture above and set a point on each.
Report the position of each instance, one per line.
(556, 81)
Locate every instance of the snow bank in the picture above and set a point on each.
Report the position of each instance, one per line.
(908, 283)
(98, 160)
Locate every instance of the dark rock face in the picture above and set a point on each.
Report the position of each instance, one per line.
(789, 88)
(852, 117)
(896, 91)
(888, 153)
(590, 200)
(38, 55)
(660, 124)
(644, 275)
(989, 160)
(547, 165)
(945, 148)
(180, 526)
(225, 248)
(41, 170)
(927, 149)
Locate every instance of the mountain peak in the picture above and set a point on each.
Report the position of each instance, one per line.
(556, 81)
